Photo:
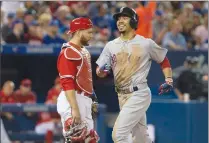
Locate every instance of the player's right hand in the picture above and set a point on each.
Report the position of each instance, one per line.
(104, 71)
(76, 116)
(100, 73)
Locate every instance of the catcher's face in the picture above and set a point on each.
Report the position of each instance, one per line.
(86, 36)
(123, 24)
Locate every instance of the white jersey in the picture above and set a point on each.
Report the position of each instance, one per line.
(131, 60)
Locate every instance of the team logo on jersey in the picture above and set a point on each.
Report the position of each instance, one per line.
(121, 10)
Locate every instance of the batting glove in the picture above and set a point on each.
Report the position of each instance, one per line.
(106, 68)
(103, 71)
(166, 87)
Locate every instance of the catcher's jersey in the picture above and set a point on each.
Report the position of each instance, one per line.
(131, 60)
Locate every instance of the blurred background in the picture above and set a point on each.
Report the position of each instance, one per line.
(32, 33)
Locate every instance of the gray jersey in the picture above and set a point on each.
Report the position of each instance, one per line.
(131, 60)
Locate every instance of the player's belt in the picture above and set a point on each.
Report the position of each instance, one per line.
(85, 94)
(127, 90)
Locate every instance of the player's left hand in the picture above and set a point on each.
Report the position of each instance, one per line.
(94, 109)
(166, 87)
(94, 106)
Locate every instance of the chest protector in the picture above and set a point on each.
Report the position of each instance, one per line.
(84, 73)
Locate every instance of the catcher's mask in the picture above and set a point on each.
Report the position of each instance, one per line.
(75, 132)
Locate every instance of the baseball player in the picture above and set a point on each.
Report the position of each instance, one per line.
(129, 56)
(74, 67)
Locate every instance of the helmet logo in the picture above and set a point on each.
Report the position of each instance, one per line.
(134, 16)
(121, 10)
(133, 10)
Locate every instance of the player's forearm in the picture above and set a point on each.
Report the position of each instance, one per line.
(70, 94)
(167, 72)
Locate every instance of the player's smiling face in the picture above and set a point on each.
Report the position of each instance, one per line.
(123, 23)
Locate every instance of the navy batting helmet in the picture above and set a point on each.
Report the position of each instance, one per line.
(126, 11)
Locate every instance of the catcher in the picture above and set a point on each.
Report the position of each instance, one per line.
(74, 102)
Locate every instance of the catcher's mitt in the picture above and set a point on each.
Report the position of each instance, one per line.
(94, 109)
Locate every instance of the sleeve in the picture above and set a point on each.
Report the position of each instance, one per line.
(105, 57)
(152, 7)
(67, 72)
(156, 52)
(68, 84)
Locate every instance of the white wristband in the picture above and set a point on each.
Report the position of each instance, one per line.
(169, 80)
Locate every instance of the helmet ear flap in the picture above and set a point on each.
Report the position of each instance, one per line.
(134, 21)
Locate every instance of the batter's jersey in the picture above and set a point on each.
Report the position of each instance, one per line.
(131, 60)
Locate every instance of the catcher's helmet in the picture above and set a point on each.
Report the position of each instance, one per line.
(80, 24)
(130, 13)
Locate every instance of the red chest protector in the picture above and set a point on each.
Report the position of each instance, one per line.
(84, 73)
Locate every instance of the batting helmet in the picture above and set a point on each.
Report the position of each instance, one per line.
(126, 11)
(80, 24)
